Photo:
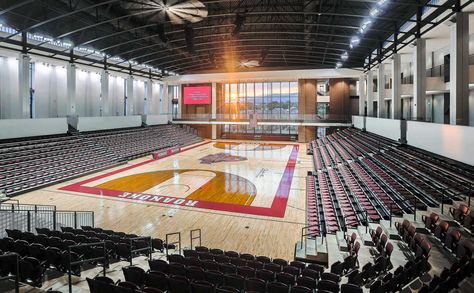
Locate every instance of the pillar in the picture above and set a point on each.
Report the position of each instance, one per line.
(164, 100)
(214, 109)
(129, 95)
(362, 95)
(104, 93)
(23, 106)
(71, 88)
(370, 93)
(419, 80)
(396, 86)
(459, 70)
(381, 91)
(214, 101)
(149, 98)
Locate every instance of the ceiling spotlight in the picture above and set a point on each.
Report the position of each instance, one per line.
(344, 56)
(354, 42)
(374, 11)
(364, 26)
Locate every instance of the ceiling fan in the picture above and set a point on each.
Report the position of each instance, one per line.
(176, 11)
(246, 63)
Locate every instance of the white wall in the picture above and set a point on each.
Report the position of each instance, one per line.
(156, 99)
(102, 123)
(87, 93)
(358, 121)
(9, 91)
(138, 97)
(455, 142)
(386, 127)
(155, 119)
(15, 128)
(50, 85)
(116, 95)
(451, 141)
(50, 90)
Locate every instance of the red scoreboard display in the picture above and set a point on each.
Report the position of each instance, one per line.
(197, 94)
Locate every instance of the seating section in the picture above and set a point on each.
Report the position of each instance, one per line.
(450, 278)
(34, 162)
(215, 270)
(27, 164)
(137, 142)
(454, 240)
(358, 171)
(48, 249)
(315, 213)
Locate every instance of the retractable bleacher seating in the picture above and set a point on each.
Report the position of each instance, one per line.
(30, 163)
(357, 171)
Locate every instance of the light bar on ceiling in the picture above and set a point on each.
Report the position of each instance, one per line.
(67, 45)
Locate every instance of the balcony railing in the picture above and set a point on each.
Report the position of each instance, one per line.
(28, 220)
(277, 118)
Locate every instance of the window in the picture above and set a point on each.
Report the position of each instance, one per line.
(268, 100)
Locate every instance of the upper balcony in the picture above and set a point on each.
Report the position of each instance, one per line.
(265, 119)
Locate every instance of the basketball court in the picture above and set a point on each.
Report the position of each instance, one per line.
(248, 192)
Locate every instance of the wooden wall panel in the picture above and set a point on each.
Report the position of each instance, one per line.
(220, 98)
(339, 103)
(307, 96)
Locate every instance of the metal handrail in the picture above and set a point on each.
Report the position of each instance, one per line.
(15, 276)
(149, 248)
(469, 193)
(366, 219)
(264, 117)
(49, 219)
(303, 234)
(104, 258)
(191, 237)
(30, 207)
(173, 243)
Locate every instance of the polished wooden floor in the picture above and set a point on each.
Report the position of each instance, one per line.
(244, 188)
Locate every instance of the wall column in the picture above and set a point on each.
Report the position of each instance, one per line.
(396, 85)
(129, 93)
(214, 101)
(419, 80)
(148, 98)
(381, 91)
(71, 88)
(362, 95)
(24, 86)
(214, 109)
(459, 70)
(104, 93)
(370, 93)
(164, 100)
